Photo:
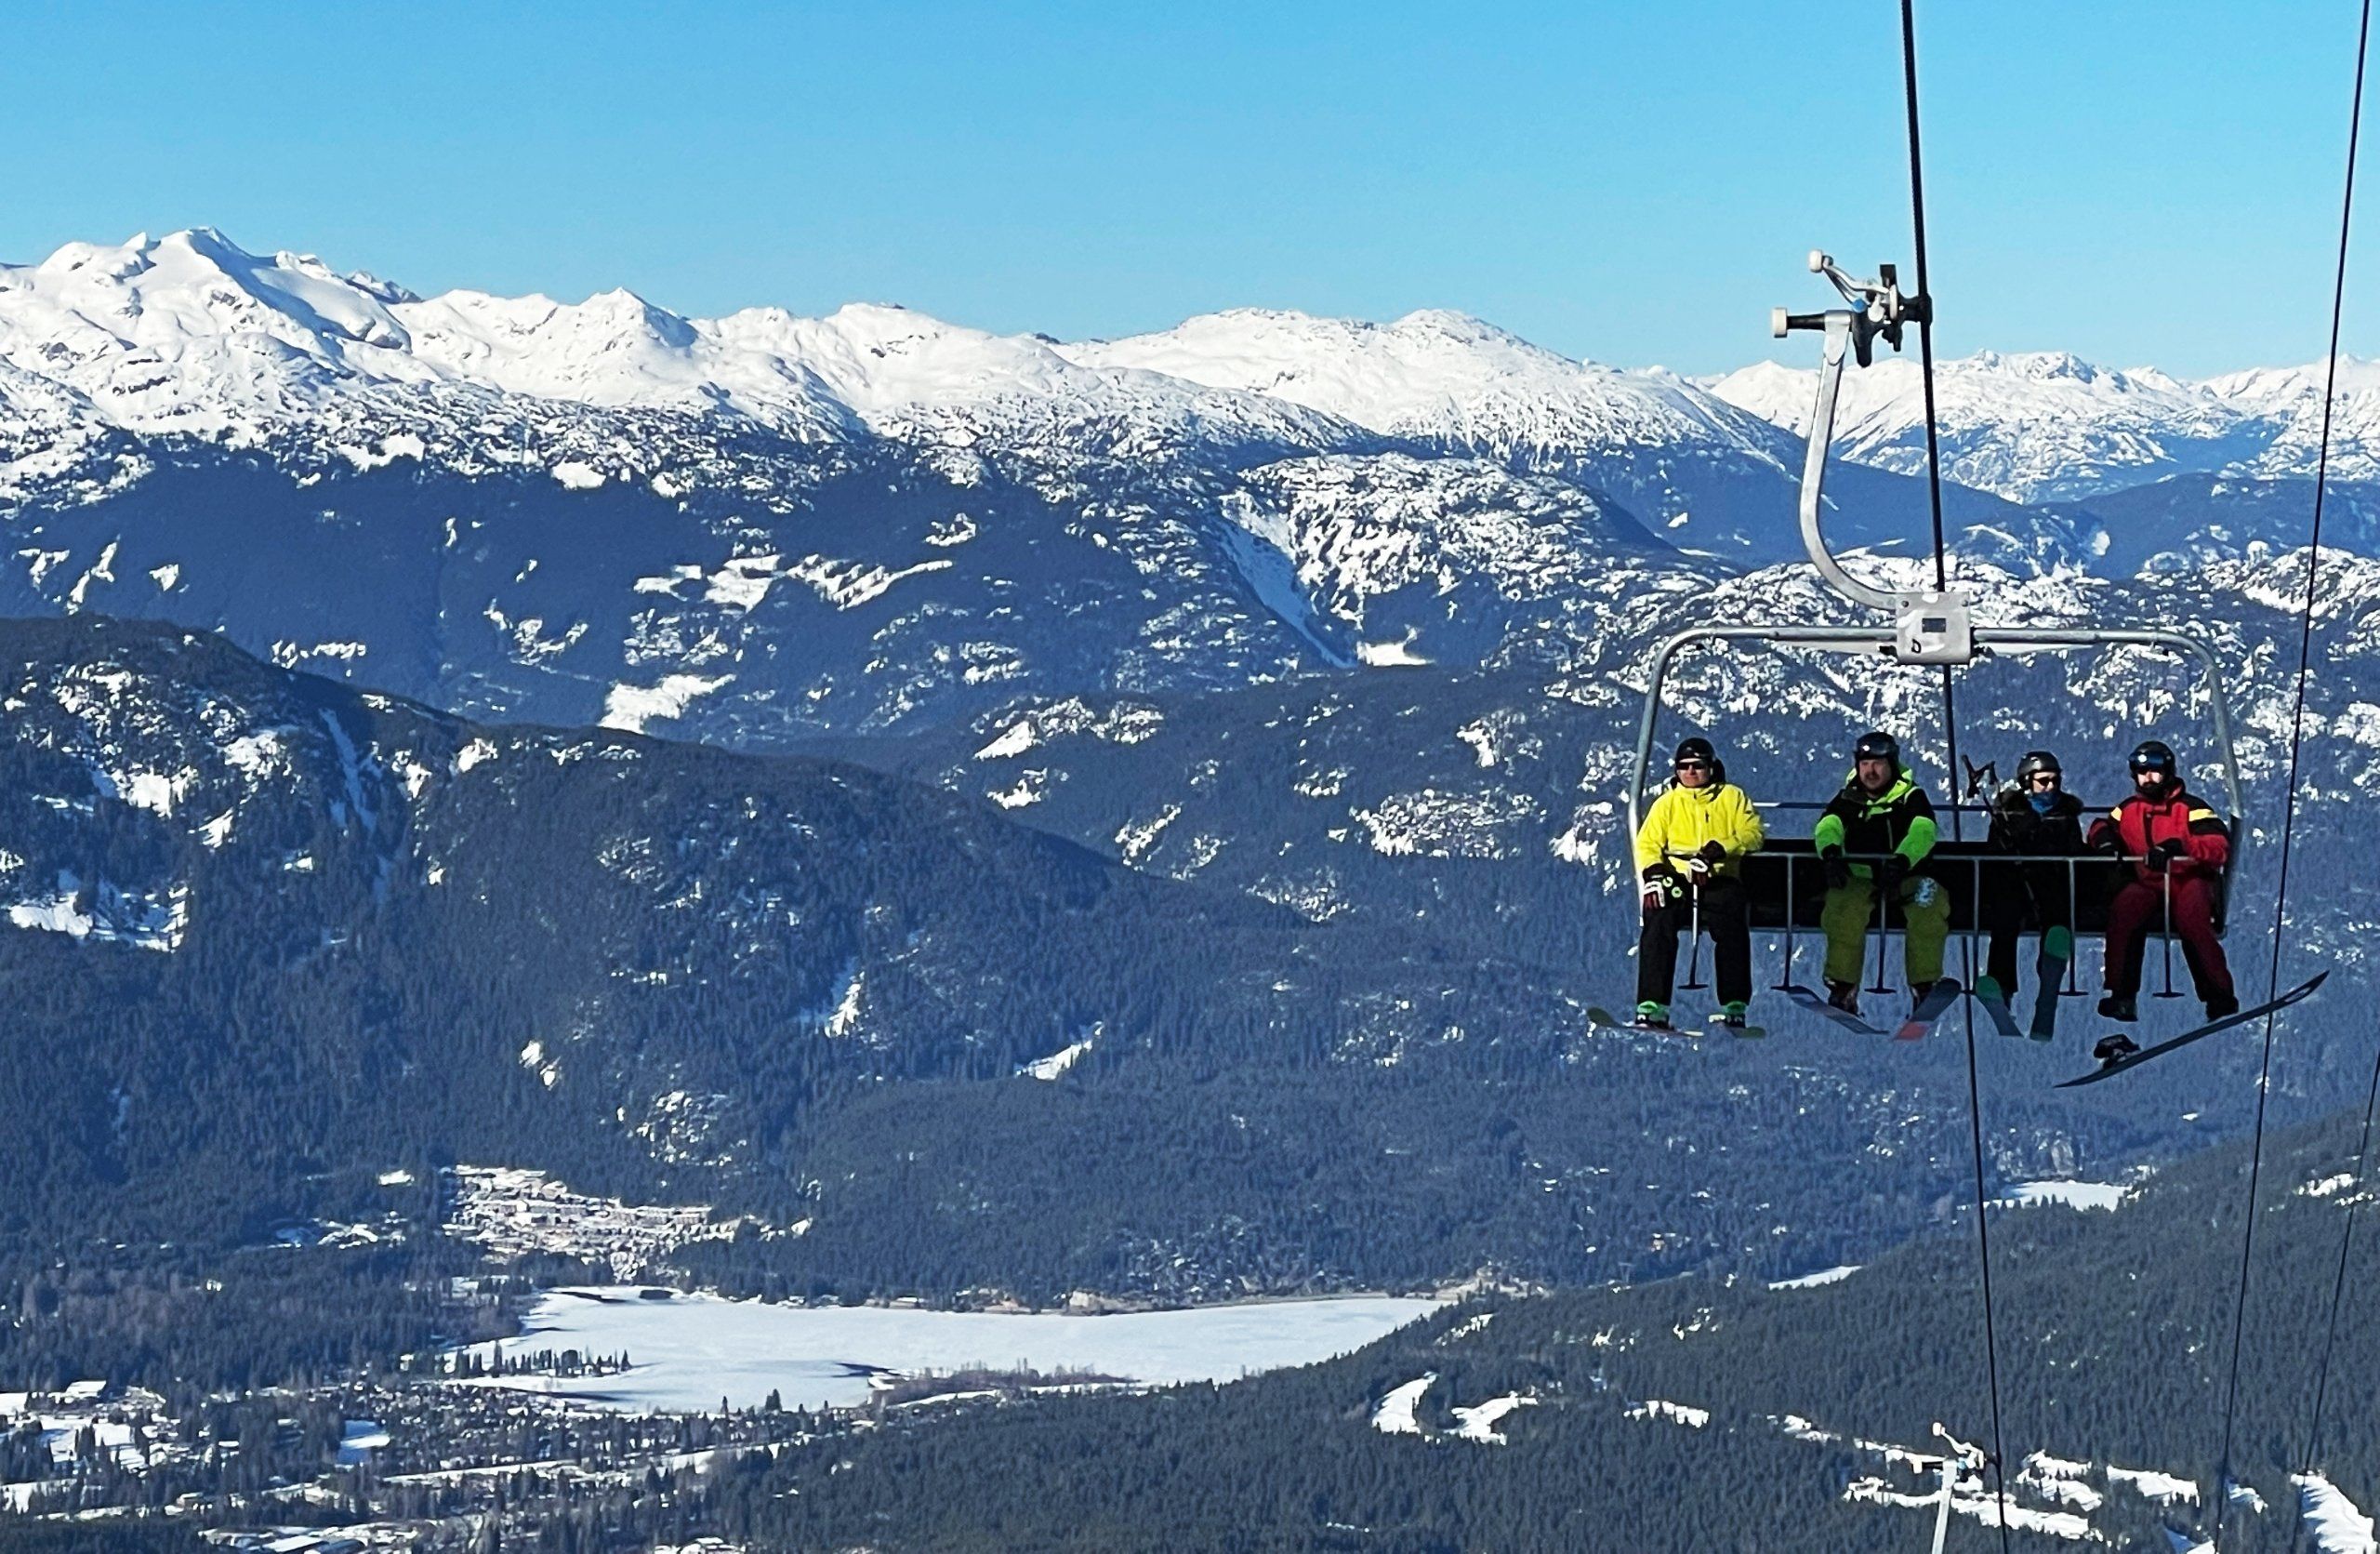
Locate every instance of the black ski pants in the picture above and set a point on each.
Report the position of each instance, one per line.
(2043, 890)
(1729, 930)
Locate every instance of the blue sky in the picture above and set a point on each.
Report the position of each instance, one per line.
(2139, 183)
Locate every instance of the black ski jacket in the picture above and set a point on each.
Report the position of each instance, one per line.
(2017, 827)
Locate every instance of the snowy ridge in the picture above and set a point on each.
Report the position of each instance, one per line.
(1437, 375)
(190, 335)
(2046, 426)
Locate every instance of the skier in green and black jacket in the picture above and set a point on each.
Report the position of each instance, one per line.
(1883, 814)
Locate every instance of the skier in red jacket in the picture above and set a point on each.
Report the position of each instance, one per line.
(2180, 846)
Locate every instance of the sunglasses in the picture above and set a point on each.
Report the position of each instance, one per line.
(1694, 765)
(2045, 779)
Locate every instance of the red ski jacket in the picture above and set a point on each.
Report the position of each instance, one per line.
(2141, 823)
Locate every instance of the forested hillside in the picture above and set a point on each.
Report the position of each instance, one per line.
(1706, 1413)
(282, 953)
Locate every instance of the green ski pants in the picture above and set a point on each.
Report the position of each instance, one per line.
(1924, 910)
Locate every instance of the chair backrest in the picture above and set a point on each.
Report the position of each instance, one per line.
(1784, 883)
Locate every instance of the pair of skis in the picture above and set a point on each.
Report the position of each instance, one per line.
(1605, 1019)
(2049, 975)
(1939, 997)
(1930, 1009)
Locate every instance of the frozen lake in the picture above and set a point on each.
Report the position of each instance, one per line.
(689, 1351)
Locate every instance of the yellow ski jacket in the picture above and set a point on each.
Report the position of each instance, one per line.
(1682, 819)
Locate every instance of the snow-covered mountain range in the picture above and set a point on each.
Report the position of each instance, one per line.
(2047, 426)
(760, 528)
(189, 335)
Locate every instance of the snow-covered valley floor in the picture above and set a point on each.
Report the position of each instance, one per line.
(689, 1351)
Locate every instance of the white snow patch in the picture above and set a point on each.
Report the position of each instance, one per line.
(2043, 1465)
(259, 755)
(1028, 790)
(849, 584)
(1394, 1415)
(2079, 1195)
(165, 576)
(2329, 1185)
(2336, 1525)
(573, 475)
(630, 707)
(472, 754)
(1680, 1414)
(840, 1018)
(1135, 839)
(742, 583)
(1058, 1062)
(1015, 739)
(1983, 1507)
(1812, 1281)
(114, 915)
(2150, 1484)
(1390, 655)
(1478, 1423)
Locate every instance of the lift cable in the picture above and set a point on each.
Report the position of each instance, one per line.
(1925, 315)
(2364, 1150)
(2289, 800)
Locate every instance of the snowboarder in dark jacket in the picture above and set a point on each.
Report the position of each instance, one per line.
(2179, 848)
(2034, 816)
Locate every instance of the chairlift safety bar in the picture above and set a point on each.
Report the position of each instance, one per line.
(2009, 639)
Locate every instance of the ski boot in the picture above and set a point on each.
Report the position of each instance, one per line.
(1987, 988)
(1844, 996)
(1652, 1016)
(1735, 1016)
(1917, 992)
(2115, 1048)
(2221, 1007)
(2115, 1006)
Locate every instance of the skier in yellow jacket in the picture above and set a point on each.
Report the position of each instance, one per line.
(1688, 854)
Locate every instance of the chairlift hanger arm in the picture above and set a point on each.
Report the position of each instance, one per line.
(1932, 626)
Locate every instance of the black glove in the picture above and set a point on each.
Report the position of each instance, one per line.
(1893, 870)
(1661, 887)
(1714, 854)
(1838, 873)
(2162, 857)
(2109, 842)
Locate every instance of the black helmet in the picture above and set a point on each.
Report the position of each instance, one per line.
(1696, 749)
(2036, 761)
(2155, 756)
(1877, 745)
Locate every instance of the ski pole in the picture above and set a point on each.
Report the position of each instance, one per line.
(1694, 982)
(2169, 992)
(1883, 906)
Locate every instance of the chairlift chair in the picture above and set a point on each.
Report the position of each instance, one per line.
(1928, 628)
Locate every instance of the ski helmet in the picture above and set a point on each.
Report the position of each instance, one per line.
(1877, 745)
(2035, 762)
(1696, 749)
(2155, 756)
